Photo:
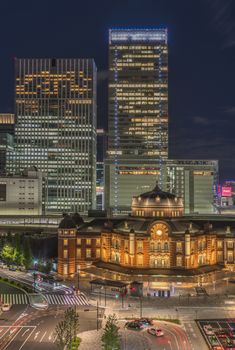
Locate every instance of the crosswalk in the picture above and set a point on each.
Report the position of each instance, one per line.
(52, 299)
(14, 299)
(55, 299)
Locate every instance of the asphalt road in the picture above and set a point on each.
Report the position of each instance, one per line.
(174, 338)
(31, 329)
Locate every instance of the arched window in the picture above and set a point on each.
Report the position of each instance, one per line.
(152, 246)
(158, 246)
(166, 246)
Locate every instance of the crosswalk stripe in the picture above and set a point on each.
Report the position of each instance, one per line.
(14, 299)
(56, 299)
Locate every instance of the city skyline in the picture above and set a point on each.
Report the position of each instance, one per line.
(199, 56)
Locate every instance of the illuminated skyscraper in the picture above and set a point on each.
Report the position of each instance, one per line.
(138, 93)
(7, 125)
(138, 113)
(56, 129)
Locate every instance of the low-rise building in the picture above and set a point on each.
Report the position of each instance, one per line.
(21, 194)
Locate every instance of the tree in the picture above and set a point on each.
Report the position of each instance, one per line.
(8, 253)
(72, 319)
(66, 330)
(27, 254)
(61, 333)
(48, 266)
(111, 338)
(18, 256)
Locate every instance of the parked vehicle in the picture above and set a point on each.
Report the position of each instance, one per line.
(208, 329)
(12, 268)
(134, 325)
(144, 321)
(155, 331)
(6, 307)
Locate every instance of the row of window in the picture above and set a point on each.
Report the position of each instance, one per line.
(78, 253)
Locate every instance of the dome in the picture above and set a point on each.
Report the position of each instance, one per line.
(67, 222)
(78, 220)
(157, 193)
(157, 203)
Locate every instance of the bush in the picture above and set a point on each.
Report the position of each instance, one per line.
(75, 343)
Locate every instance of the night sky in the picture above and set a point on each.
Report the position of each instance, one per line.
(201, 60)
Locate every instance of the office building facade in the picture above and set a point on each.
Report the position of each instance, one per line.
(138, 93)
(138, 103)
(7, 126)
(21, 194)
(56, 129)
(194, 181)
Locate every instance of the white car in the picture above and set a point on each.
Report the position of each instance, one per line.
(155, 331)
(208, 329)
(6, 307)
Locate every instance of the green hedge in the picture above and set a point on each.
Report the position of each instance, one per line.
(75, 343)
(16, 284)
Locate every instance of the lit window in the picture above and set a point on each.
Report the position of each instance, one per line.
(78, 241)
(98, 242)
(140, 246)
(88, 253)
(65, 254)
(178, 246)
(78, 253)
(65, 242)
(88, 241)
(179, 261)
(65, 269)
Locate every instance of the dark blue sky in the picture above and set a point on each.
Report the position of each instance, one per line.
(201, 59)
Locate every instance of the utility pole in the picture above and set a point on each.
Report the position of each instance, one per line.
(140, 307)
(97, 316)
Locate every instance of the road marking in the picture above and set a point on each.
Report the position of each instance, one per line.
(6, 346)
(43, 337)
(27, 330)
(27, 338)
(50, 336)
(54, 340)
(36, 335)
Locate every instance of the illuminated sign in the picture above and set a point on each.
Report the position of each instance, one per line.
(226, 191)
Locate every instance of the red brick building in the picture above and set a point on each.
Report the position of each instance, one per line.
(156, 236)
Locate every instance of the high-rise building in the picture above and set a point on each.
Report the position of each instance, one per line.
(138, 93)
(138, 109)
(101, 153)
(56, 129)
(194, 181)
(7, 125)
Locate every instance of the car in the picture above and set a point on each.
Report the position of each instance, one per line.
(155, 331)
(221, 333)
(208, 329)
(134, 325)
(12, 268)
(144, 321)
(6, 307)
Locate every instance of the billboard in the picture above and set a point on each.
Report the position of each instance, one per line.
(226, 191)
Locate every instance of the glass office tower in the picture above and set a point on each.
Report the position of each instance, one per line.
(56, 129)
(138, 93)
(138, 114)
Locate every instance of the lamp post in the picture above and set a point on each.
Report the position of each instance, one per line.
(97, 315)
(140, 307)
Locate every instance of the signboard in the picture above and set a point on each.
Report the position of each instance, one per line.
(226, 191)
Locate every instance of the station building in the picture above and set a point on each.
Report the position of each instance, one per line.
(155, 238)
